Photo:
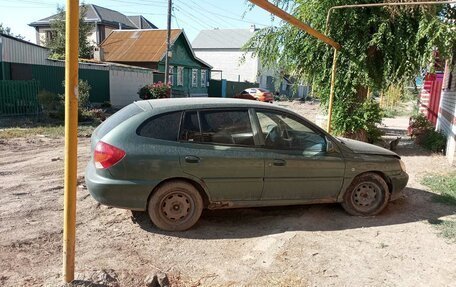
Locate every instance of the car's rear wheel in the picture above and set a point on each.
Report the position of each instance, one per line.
(367, 195)
(175, 206)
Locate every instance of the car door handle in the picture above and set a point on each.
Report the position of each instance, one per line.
(192, 159)
(279, 162)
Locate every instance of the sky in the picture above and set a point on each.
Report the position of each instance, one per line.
(191, 15)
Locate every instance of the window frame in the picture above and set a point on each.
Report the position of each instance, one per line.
(194, 78)
(171, 75)
(250, 114)
(180, 76)
(203, 78)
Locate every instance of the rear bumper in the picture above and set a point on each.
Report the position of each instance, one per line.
(126, 194)
(398, 182)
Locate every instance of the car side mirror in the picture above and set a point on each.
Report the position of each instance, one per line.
(330, 146)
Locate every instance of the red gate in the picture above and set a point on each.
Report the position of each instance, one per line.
(430, 96)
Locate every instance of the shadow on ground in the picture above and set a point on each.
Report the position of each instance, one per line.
(417, 205)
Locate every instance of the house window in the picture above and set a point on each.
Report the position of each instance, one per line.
(194, 77)
(180, 76)
(171, 75)
(203, 78)
(50, 35)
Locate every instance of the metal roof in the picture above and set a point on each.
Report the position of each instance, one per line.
(222, 39)
(137, 45)
(103, 15)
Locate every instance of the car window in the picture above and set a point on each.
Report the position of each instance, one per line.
(226, 127)
(218, 127)
(117, 118)
(283, 132)
(190, 129)
(163, 127)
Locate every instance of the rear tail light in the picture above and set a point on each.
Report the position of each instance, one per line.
(106, 155)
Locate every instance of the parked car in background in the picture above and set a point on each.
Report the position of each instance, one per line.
(258, 94)
(175, 157)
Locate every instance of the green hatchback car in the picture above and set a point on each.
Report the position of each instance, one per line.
(175, 157)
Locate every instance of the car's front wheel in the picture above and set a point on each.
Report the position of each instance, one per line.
(367, 195)
(175, 206)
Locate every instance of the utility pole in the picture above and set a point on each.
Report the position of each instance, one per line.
(168, 41)
(71, 137)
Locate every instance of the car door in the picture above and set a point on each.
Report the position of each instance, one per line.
(297, 163)
(219, 149)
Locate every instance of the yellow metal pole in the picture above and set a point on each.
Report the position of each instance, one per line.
(292, 20)
(331, 92)
(71, 137)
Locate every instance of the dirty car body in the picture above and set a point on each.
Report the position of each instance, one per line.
(174, 157)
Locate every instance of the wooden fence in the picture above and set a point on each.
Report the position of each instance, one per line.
(19, 98)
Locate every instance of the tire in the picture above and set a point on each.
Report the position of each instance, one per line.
(367, 195)
(175, 206)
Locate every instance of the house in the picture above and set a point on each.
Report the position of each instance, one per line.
(222, 48)
(104, 21)
(446, 120)
(188, 75)
(25, 69)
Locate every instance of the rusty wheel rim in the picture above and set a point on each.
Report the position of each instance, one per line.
(176, 207)
(366, 196)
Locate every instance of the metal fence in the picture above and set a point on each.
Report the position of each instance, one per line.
(19, 98)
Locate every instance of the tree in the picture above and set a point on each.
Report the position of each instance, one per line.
(57, 41)
(7, 31)
(380, 47)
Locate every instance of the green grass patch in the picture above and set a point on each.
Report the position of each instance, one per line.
(447, 228)
(444, 185)
(18, 127)
(48, 131)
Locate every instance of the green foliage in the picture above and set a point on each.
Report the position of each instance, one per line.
(7, 31)
(358, 116)
(419, 124)
(53, 105)
(157, 90)
(434, 141)
(444, 185)
(57, 43)
(381, 47)
(84, 95)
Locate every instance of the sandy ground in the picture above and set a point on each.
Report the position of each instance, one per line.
(315, 245)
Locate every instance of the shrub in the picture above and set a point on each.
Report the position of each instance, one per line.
(53, 105)
(157, 90)
(84, 95)
(419, 124)
(434, 141)
(358, 123)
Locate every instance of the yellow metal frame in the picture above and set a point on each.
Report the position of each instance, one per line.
(294, 21)
(71, 137)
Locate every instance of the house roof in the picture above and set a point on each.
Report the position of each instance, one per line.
(137, 45)
(222, 39)
(141, 45)
(98, 14)
(141, 22)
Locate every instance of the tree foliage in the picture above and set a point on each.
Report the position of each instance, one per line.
(7, 31)
(57, 41)
(380, 47)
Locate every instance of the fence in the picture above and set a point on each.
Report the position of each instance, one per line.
(19, 98)
(224, 88)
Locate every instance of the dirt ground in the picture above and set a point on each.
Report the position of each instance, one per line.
(315, 245)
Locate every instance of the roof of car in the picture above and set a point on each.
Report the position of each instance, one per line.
(200, 103)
